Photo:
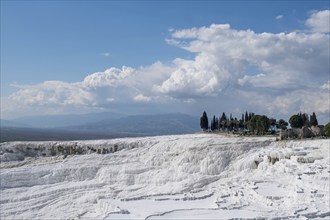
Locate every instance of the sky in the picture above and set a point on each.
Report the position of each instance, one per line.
(145, 57)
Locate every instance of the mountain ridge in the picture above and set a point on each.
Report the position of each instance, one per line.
(128, 126)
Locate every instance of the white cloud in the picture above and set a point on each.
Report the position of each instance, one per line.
(326, 86)
(284, 61)
(141, 98)
(194, 78)
(53, 93)
(279, 17)
(314, 101)
(274, 73)
(112, 88)
(110, 77)
(303, 100)
(319, 21)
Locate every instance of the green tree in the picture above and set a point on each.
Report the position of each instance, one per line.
(241, 123)
(281, 124)
(304, 118)
(272, 123)
(252, 125)
(258, 124)
(313, 121)
(296, 121)
(223, 120)
(229, 124)
(262, 124)
(204, 122)
(214, 123)
(236, 124)
(327, 129)
(246, 118)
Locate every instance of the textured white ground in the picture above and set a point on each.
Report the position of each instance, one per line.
(200, 176)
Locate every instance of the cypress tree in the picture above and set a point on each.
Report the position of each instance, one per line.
(304, 118)
(213, 124)
(204, 122)
(250, 116)
(313, 120)
(223, 120)
(216, 123)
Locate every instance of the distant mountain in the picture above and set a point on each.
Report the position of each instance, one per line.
(48, 134)
(56, 121)
(96, 126)
(9, 123)
(141, 125)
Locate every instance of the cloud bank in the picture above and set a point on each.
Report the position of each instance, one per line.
(271, 73)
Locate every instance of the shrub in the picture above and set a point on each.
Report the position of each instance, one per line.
(327, 129)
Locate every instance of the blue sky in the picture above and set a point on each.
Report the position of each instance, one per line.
(66, 41)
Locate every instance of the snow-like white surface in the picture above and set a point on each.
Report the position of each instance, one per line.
(200, 176)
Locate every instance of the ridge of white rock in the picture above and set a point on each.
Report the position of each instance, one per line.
(194, 176)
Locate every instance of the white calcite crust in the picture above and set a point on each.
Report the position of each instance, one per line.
(197, 176)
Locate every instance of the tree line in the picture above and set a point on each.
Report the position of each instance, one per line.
(257, 124)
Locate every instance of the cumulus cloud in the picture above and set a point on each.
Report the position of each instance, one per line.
(141, 98)
(241, 69)
(111, 77)
(319, 21)
(112, 88)
(223, 55)
(200, 77)
(54, 93)
(289, 66)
